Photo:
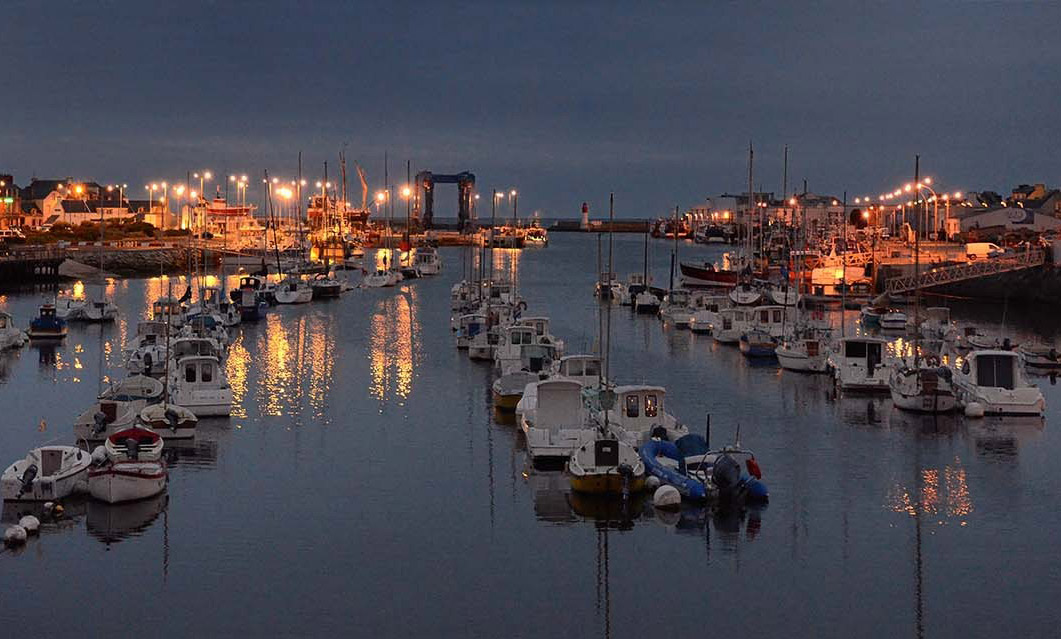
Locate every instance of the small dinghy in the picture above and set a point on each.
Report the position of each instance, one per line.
(606, 465)
(170, 421)
(104, 418)
(135, 388)
(508, 389)
(48, 472)
(700, 474)
(128, 467)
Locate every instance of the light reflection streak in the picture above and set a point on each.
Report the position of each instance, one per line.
(394, 345)
(943, 493)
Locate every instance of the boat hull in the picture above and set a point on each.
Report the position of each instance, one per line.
(123, 481)
(610, 484)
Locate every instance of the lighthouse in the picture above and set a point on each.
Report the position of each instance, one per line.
(585, 217)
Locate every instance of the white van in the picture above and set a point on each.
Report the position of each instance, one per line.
(982, 250)
(11, 234)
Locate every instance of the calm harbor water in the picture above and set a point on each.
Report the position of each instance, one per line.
(363, 486)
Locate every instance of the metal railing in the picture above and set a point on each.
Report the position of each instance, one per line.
(971, 270)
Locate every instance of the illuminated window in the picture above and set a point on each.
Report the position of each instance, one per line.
(632, 408)
(651, 406)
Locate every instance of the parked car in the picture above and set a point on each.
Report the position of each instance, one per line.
(982, 250)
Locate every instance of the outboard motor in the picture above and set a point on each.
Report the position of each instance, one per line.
(132, 448)
(726, 476)
(659, 432)
(173, 418)
(147, 364)
(27, 478)
(99, 423)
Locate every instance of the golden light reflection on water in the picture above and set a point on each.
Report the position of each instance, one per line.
(295, 367)
(394, 345)
(943, 494)
(236, 365)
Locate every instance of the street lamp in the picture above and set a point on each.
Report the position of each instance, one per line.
(515, 200)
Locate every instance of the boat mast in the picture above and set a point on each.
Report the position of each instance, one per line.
(273, 223)
(917, 262)
(298, 210)
(843, 268)
(748, 255)
(674, 255)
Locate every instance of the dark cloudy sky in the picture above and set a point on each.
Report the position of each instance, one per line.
(565, 101)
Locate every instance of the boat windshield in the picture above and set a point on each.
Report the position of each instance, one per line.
(995, 371)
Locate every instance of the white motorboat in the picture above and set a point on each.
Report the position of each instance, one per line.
(995, 380)
(381, 278)
(293, 290)
(69, 308)
(99, 311)
(784, 295)
(858, 364)
(519, 344)
(757, 343)
(135, 388)
(646, 302)
(461, 294)
(146, 354)
(11, 336)
(482, 345)
(1041, 358)
(602, 464)
(640, 414)
(893, 320)
(197, 382)
(922, 387)
(46, 473)
(585, 369)
(635, 283)
(540, 326)
(731, 324)
(706, 315)
(554, 419)
(468, 326)
(325, 286)
(103, 418)
(608, 287)
(772, 320)
(938, 325)
(170, 421)
(675, 307)
(168, 309)
(745, 295)
(427, 262)
(128, 467)
(805, 351)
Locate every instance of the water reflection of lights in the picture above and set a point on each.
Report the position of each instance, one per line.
(299, 362)
(394, 345)
(943, 494)
(236, 366)
(78, 291)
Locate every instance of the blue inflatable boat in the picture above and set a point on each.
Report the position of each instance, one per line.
(701, 474)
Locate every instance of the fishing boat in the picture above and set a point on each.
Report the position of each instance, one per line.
(675, 307)
(11, 336)
(103, 418)
(520, 347)
(461, 295)
(585, 369)
(701, 474)
(47, 325)
(481, 346)
(168, 309)
(45, 474)
(293, 290)
(608, 287)
(169, 420)
(540, 325)
(197, 382)
(508, 389)
(128, 467)
(805, 351)
(707, 275)
(69, 308)
(707, 313)
(381, 278)
(640, 413)
(468, 326)
(249, 299)
(995, 380)
(635, 283)
(858, 364)
(536, 236)
(554, 419)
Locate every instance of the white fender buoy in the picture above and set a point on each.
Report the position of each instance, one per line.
(651, 483)
(31, 524)
(99, 455)
(15, 536)
(666, 497)
(974, 409)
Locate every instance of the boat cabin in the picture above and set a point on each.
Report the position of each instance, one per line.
(165, 308)
(519, 335)
(194, 346)
(471, 325)
(251, 282)
(537, 358)
(540, 325)
(677, 297)
(993, 369)
(641, 407)
(560, 405)
(6, 321)
(733, 318)
(865, 352)
(582, 368)
(770, 318)
(202, 371)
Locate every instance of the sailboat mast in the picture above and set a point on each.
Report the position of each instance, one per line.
(674, 255)
(843, 268)
(751, 203)
(273, 222)
(917, 261)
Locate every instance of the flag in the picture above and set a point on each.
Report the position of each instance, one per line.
(187, 295)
